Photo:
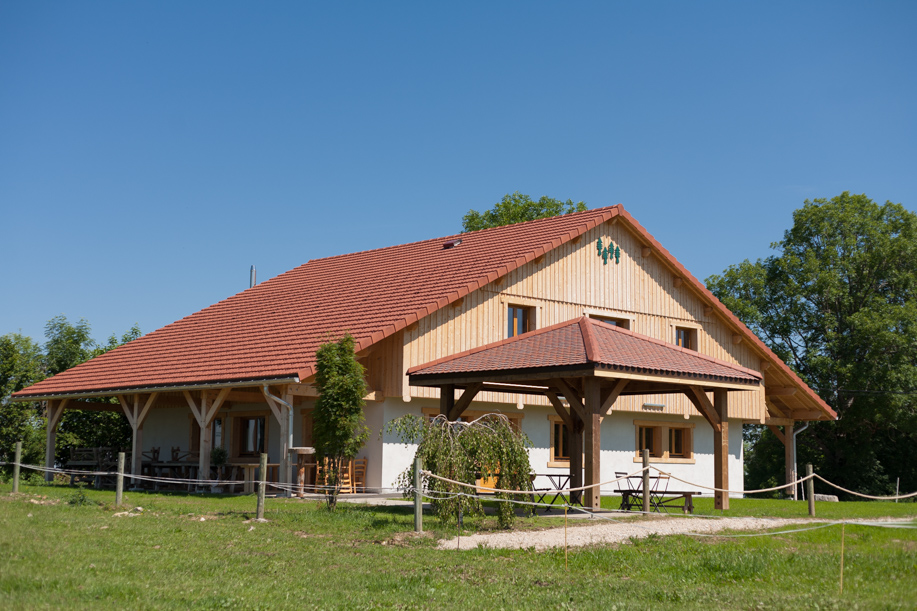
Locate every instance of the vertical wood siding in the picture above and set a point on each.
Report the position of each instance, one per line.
(571, 281)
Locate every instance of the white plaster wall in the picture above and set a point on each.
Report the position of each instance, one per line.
(388, 456)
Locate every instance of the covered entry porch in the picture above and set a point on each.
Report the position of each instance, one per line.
(583, 366)
(174, 429)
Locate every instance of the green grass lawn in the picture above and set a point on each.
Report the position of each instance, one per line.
(56, 554)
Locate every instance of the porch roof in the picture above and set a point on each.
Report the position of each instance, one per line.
(580, 345)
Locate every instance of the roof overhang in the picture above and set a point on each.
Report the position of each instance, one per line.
(111, 392)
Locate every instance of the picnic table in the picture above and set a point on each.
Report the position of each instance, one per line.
(559, 483)
(661, 498)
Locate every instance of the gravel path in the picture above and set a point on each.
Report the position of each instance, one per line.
(611, 532)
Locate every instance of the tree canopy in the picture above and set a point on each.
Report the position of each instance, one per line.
(24, 362)
(839, 305)
(517, 208)
(338, 428)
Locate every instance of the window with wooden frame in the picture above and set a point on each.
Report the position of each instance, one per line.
(667, 441)
(519, 320)
(560, 443)
(250, 435)
(624, 323)
(216, 434)
(686, 337)
(648, 438)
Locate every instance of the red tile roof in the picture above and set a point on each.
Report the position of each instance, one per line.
(273, 329)
(587, 342)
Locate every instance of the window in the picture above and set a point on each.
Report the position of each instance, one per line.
(677, 447)
(519, 320)
(624, 323)
(647, 438)
(686, 338)
(560, 443)
(251, 435)
(666, 441)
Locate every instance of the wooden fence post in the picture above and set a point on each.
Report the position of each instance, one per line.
(119, 486)
(810, 490)
(418, 501)
(16, 467)
(646, 480)
(262, 486)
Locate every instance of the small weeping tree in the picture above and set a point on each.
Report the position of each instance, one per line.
(338, 428)
(488, 447)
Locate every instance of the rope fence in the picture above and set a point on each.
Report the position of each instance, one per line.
(293, 487)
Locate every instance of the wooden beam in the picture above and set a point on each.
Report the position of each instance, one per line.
(193, 405)
(774, 408)
(572, 397)
(721, 449)
(146, 408)
(777, 433)
(128, 412)
(699, 398)
(217, 404)
(275, 409)
(802, 414)
(302, 390)
(789, 458)
(592, 441)
(55, 412)
(611, 396)
(446, 399)
(560, 409)
(779, 391)
(778, 421)
(464, 401)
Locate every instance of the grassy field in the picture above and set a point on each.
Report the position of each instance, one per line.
(202, 552)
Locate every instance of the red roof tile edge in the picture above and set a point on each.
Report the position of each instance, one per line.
(726, 312)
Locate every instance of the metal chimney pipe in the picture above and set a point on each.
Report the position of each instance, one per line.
(252, 277)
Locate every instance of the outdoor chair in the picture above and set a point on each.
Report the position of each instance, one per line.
(359, 475)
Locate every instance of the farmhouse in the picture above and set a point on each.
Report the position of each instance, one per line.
(582, 329)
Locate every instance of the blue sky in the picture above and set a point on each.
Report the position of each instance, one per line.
(151, 152)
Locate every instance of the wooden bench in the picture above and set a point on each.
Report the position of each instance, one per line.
(632, 499)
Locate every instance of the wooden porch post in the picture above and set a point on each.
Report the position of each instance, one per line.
(592, 441)
(205, 413)
(446, 399)
(576, 455)
(721, 448)
(136, 416)
(55, 412)
(789, 454)
(206, 444)
(286, 442)
(282, 413)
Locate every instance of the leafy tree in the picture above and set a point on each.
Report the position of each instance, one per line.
(839, 305)
(23, 363)
(465, 451)
(338, 428)
(517, 208)
(67, 346)
(20, 366)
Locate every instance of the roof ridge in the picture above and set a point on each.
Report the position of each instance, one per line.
(476, 232)
(592, 351)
